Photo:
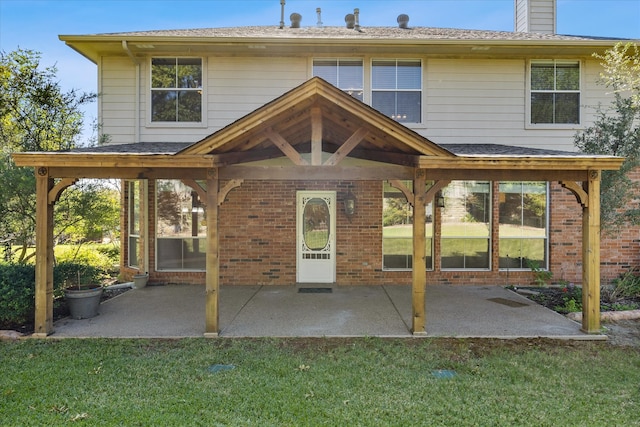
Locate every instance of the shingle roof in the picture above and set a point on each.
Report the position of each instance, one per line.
(457, 149)
(136, 148)
(365, 33)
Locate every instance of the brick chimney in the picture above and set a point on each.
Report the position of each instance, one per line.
(535, 16)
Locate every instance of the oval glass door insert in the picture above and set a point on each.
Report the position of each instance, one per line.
(316, 220)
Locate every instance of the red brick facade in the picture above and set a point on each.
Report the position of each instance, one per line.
(258, 240)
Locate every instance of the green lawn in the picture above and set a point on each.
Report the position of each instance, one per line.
(288, 382)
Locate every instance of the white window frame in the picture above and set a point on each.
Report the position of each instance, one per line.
(422, 86)
(203, 89)
(545, 266)
(338, 60)
(158, 238)
(489, 238)
(571, 126)
(133, 192)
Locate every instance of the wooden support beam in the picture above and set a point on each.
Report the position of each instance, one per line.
(316, 173)
(591, 255)
(344, 150)
(316, 136)
(44, 255)
(286, 148)
(212, 276)
(419, 271)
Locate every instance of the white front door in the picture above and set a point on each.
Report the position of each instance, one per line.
(316, 230)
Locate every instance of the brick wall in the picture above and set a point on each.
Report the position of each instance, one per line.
(258, 240)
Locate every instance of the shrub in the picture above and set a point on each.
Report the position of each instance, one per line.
(17, 303)
(17, 287)
(100, 256)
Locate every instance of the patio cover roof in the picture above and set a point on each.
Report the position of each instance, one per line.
(316, 132)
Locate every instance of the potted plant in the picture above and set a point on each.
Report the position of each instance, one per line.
(83, 300)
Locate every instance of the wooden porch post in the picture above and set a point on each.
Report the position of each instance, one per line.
(213, 261)
(419, 274)
(591, 254)
(44, 255)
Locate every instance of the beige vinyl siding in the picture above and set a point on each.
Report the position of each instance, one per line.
(116, 100)
(233, 88)
(594, 94)
(483, 101)
(237, 86)
(474, 101)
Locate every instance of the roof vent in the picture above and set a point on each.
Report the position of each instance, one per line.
(282, 3)
(356, 14)
(295, 20)
(403, 21)
(350, 19)
(319, 12)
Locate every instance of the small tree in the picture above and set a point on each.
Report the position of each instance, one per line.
(36, 115)
(616, 131)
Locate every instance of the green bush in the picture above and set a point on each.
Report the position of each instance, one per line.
(17, 303)
(17, 287)
(100, 256)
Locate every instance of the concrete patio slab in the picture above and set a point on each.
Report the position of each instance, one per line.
(173, 311)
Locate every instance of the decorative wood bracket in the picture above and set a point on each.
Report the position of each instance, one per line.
(202, 193)
(222, 194)
(399, 185)
(428, 194)
(437, 186)
(234, 183)
(581, 195)
(56, 191)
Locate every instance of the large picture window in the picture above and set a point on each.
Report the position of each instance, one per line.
(466, 225)
(396, 89)
(555, 92)
(397, 230)
(176, 90)
(180, 227)
(345, 74)
(523, 227)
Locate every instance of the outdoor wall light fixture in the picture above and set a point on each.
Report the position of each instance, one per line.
(440, 200)
(349, 204)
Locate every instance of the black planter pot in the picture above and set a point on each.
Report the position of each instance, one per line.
(83, 302)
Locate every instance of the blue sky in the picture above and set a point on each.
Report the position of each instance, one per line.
(36, 24)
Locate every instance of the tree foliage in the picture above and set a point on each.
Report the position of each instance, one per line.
(616, 131)
(37, 115)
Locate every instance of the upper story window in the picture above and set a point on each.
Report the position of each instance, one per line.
(345, 74)
(176, 89)
(396, 89)
(555, 92)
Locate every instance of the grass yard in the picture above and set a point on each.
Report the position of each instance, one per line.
(335, 382)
